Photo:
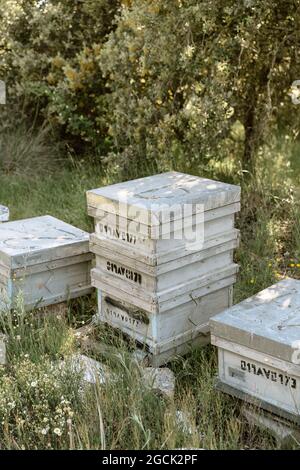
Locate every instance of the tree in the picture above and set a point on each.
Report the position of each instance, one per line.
(182, 72)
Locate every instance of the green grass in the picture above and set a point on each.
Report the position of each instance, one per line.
(43, 407)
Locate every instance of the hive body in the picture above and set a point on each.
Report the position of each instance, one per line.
(258, 344)
(44, 260)
(164, 258)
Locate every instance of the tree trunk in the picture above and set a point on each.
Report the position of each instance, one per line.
(249, 147)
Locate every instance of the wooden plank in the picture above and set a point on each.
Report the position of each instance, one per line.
(254, 355)
(152, 281)
(50, 286)
(51, 265)
(155, 305)
(268, 322)
(161, 264)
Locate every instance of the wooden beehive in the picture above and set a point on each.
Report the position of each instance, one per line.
(4, 214)
(43, 259)
(154, 281)
(158, 214)
(258, 344)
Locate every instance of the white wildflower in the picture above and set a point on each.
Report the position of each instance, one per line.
(57, 431)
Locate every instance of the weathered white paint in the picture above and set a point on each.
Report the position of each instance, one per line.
(166, 299)
(162, 332)
(152, 283)
(160, 251)
(149, 279)
(45, 260)
(133, 232)
(152, 197)
(258, 342)
(268, 322)
(39, 240)
(4, 214)
(257, 382)
(211, 249)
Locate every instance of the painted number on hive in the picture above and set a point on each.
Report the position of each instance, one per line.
(268, 374)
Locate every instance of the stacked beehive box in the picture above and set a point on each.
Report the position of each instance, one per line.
(4, 214)
(258, 344)
(45, 259)
(164, 257)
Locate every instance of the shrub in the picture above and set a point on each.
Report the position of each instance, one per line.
(49, 62)
(183, 72)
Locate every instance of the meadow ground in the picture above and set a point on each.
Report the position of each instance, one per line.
(42, 406)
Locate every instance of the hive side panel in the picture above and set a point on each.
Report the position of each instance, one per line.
(260, 380)
(54, 286)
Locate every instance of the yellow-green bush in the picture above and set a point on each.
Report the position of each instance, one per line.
(182, 72)
(158, 83)
(50, 63)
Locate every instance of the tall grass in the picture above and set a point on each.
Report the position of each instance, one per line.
(26, 152)
(45, 406)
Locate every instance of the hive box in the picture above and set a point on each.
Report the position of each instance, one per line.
(4, 214)
(164, 212)
(172, 329)
(258, 344)
(44, 258)
(215, 255)
(112, 231)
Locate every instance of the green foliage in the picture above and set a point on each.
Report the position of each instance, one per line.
(27, 151)
(170, 87)
(49, 61)
(155, 83)
(183, 72)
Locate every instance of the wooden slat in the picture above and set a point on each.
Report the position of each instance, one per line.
(259, 379)
(150, 281)
(47, 287)
(164, 262)
(105, 221)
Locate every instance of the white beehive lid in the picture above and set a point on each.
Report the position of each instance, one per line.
(154, 197)
(4, 214)
(268, 322)
(38, 240)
